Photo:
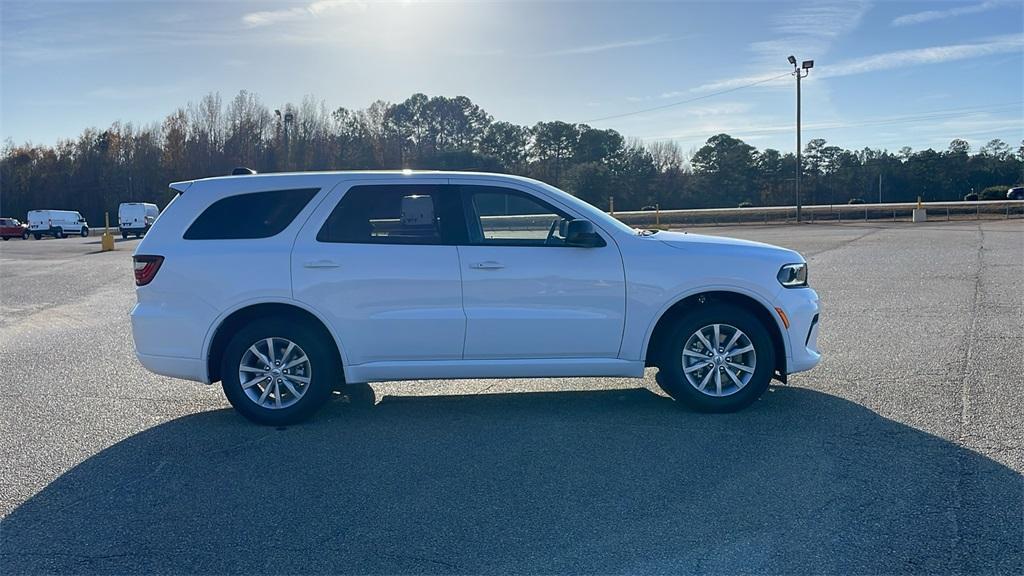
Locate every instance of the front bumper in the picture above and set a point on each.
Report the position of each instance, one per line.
(803, 310)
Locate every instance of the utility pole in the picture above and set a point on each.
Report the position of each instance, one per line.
(800, 72)
(879, 186)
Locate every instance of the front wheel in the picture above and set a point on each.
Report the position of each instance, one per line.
(84, 232)
(24, 235)
(37, 236)
(59, 233)
(276, 371)
(718, 358)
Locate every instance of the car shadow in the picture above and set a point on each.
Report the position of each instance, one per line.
(602, 481)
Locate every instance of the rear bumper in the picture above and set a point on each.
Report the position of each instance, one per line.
(175, 367)
(168, 337)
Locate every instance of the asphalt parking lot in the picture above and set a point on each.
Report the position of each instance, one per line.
(902, 452)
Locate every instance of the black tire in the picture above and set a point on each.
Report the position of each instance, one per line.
(24, 235)
(58, 233)
(673, 381)
(138, 235)
(6, 238)
(84, 232)
(124, 235)
(324, 362)
(37, 236)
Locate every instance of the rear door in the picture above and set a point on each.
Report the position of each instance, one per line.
(527, 294)
(379, 259)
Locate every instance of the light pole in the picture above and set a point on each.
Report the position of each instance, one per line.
(800, 72)
(287, 118)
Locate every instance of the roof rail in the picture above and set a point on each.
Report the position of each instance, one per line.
(242, 171)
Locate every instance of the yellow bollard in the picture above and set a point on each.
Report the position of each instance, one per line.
(107, 240)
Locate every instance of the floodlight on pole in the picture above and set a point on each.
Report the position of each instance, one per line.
(800, 72)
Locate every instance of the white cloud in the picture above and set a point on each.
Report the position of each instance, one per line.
(919, 56)
(1013, 43)
(311, 10)
(930, 15)
(125, 93)
(594, 48)
(808, 30)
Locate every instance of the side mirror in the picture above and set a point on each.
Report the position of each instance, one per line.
(581, 233)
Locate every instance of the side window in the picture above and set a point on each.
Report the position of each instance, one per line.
(254, 215)
(501, 216)
(394, 214)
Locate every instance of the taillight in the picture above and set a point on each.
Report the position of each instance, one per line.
(146, 268)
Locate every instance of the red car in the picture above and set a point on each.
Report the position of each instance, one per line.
(11, 228)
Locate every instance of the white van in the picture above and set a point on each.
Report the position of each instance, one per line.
(136, 218)
(56, 223)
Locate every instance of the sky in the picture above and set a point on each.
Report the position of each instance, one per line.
(886, 74)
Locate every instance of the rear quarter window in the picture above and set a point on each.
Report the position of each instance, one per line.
(252, 215)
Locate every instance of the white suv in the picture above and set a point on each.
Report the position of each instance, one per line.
(287, 286)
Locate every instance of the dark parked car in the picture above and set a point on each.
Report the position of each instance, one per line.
(12, 228)
(1015, 193)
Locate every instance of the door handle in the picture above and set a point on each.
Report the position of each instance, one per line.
(320, 264)
(488, 265)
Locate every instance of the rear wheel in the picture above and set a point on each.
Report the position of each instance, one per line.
(717, 358)
(276, 371)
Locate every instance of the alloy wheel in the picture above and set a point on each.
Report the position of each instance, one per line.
(274, 373)
(719, 360)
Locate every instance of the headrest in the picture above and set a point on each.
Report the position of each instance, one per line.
(417, 211)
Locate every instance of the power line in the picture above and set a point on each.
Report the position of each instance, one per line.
(681, 102)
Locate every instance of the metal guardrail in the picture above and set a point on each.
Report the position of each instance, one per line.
(896, 212)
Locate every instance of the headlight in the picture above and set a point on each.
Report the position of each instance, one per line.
(793, 275)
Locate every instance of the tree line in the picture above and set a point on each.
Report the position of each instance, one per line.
(101, 168)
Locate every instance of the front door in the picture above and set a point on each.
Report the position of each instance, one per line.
(376, 258)
(528, 295)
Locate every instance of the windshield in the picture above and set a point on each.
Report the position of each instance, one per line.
(595, 215)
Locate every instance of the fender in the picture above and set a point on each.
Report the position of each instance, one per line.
(219, 320)
(760, 299)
